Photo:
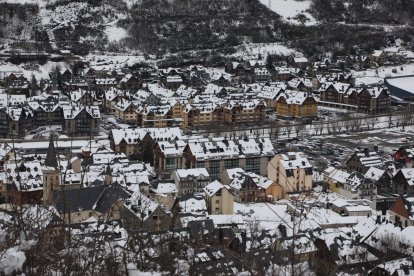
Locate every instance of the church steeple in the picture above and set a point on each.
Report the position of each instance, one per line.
(51, 159)
(108, 175)
(51, 174)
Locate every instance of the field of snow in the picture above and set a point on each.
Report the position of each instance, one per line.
(290, 8)
(216, 72)
(253, 50)
(110, 62)
(39, 2)
(115, 33)
(129, 3)
(28, 69)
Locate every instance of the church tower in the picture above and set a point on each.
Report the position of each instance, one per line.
(108, 176)
(51, 174)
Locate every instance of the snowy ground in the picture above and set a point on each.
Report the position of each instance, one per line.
(29, 69)
(253, 50)
(217, 72)
(113, 61)
(130, 3)
(290, 9)
(115, 33)
(39, 2)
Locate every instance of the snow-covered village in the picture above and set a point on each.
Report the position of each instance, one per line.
(204, 137)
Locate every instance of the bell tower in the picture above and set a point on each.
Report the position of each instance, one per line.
(108, 176)
(51, 174)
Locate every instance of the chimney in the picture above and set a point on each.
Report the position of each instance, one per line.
(366, 151)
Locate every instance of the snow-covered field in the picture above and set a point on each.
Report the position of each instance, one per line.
(28, 69)
(110, 62)
(129, 3)
(253, 50)
(115, 33)
(288, 9)
(39, 2)
(216, 72)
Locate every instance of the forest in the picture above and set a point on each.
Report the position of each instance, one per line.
(364, 11)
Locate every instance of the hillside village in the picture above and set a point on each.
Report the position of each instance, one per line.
(255, 159)
(154, 162)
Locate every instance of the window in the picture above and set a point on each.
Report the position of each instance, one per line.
(217, 201)
(214, 168)
(170, 164)
(231, 163)
(253, 165)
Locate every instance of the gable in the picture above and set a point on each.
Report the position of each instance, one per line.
(399, 208)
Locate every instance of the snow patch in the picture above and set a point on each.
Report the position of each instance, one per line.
(253, 50)
(115, 33)
(289, 9)
(12, 260)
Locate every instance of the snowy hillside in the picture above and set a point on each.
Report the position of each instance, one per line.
(290, 9)
(37, 2)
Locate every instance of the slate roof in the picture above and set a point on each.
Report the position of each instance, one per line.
(109, 196)
(77, 200)
(99, 198)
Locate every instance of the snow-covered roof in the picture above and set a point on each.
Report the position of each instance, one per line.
(293, 160)
(26, 177)
(7, 100)
(374, 173)
(141, 205)
(112, 93)
(336, 175)
(295, 97)
(195, 205)
(124, 104)
(358, 208)
(72, 111)
(409, 175)
(356, 180)
(174, 79)
(197, 172)
(223, 220)
(340, 87)
(218, 148)
(172, 149)
(369, 159)
(135, 135)
(165, 188)
(377, 53)
(300, 60)
(76, 95)
(213, 188)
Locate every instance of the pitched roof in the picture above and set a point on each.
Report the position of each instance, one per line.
(99, 198)
(51, 160)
